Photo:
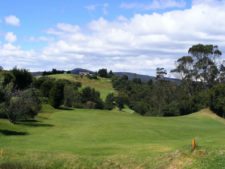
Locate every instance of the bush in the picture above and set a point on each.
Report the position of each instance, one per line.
(109, 102)
(23, 105)
(69, 95)
(3, 110)
(46, 87)
(23, 78)
(6, 78)
(103, 73)
(56, 94)
(90, 105)
(89, 94)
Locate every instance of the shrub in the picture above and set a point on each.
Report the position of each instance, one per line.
(89, 94)
(56, 94)
(103, 73)
(23, 78)
(69, 95)
(90, 105)
(23, 105)
(109, 102)
(46, 87)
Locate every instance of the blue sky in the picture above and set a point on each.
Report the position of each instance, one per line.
(135, 36)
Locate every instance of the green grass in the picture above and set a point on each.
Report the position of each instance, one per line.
(111, 139)
(103, 85)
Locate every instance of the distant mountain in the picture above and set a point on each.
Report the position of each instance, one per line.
(144, 78)
(131, 76)
(78, 70)
(36, 73)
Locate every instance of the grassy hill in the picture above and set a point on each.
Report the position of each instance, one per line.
(112, 139)
(103, 85)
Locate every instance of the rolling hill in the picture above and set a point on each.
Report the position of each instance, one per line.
(103, 85)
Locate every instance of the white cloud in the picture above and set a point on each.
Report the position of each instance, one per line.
(154, 5)
(138, 44)
(10, 37)
(93, 7)
(12, 20)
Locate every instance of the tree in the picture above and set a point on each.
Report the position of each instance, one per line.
(7, 77)
(23, 78)
(1, 68)
(110, 74)
(46, 86)
(23, 105)
(217, 99)
(137, 80)
(56, 94)
(91, 95)
(205, 66)
(109, 101)
(103, 73)
(160, 73)
(120, 102)
(184, 67)
(69, 95)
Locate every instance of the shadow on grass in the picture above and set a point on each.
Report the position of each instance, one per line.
(35, 124)
(12, 133)
(65, 108)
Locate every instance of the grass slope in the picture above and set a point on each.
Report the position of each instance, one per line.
(112, 139)
(103, 85)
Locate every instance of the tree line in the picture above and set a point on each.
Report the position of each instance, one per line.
(21, 94)
(201, 85)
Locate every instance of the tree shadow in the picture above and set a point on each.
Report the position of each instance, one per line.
(35, 124)
(65, 108)
(12, 133)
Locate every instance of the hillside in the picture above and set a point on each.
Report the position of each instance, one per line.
(112, 139)
(103, 85)
(144, 78)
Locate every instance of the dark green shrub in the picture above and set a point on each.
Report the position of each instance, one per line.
(23, 78)
(109, 102)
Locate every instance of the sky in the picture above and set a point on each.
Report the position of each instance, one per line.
(120, 35)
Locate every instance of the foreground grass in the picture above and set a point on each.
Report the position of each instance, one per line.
(103, 85)
(111, 139)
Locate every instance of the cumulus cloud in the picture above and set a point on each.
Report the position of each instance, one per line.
(139, 44)
(154, 5)
(10, 37)
(12, 20)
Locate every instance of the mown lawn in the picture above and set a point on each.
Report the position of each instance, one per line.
(112, 139)
(103, 85)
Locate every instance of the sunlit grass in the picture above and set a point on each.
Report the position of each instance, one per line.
(88, 138)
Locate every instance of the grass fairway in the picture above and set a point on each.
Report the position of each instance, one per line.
(103, 85)
(111, 139)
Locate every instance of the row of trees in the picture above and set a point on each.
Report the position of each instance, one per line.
(201, 85)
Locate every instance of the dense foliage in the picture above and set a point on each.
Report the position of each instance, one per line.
(67, 93)
(18, 100)
(54, 71)
(104, 73)
(201, 86)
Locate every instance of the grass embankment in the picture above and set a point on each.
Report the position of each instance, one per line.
(111, 139)
(103, 85)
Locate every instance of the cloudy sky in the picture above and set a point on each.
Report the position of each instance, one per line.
(122, 35)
